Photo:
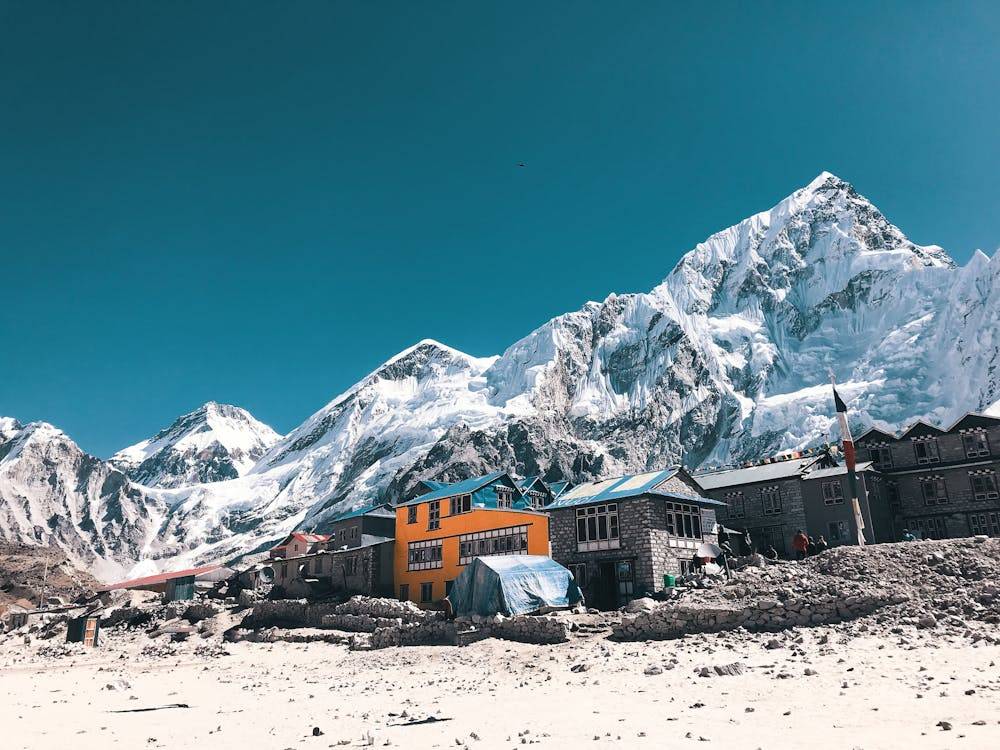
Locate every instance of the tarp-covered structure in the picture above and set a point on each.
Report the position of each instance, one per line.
(513, 585)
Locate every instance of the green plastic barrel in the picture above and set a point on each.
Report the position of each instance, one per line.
(669, 581)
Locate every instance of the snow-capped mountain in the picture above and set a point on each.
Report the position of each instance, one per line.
(728, 358)
(51, 492)
(212, 443)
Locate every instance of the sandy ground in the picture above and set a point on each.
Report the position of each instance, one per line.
(886, 691)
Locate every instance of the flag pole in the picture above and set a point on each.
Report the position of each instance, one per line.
(850, 459)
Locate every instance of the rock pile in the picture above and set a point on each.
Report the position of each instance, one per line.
(531, 629)
(917, 582)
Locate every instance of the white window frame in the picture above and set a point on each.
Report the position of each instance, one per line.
(588, 527)
(512, 540)
(425, 555)
(684, 521)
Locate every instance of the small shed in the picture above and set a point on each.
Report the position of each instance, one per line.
(84, 629)
(513, 585)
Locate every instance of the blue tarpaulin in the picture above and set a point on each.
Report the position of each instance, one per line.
(512, 585)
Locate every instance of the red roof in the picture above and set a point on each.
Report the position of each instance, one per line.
(159, 578)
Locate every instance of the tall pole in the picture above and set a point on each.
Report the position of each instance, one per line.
(850, 459)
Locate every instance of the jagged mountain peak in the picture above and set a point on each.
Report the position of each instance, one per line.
(215, 441)
(727, 359)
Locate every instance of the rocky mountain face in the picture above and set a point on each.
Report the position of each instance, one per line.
(212, 443)
(728, 358)
(54, 494)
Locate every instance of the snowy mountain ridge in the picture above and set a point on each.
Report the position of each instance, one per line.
(726, 359)
(212, 443)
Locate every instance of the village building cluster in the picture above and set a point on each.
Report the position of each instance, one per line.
(632, 535)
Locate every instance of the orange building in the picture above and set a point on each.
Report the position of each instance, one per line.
(442, 531)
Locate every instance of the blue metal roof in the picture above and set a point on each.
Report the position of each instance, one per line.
(625, 488)
(556, 488)
(433, 484)
(526, 483)
(465, 487)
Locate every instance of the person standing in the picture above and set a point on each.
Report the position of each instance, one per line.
(821, 544)
(800, 543)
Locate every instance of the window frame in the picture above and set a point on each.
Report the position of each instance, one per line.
(987, 493)
(588, 521)
(411, 514)
(925, 443)
(771, 493)
(732, 505)
(938, 482)
(984, 447)
(434, 515)
(417, 559)
(831, 498)
(459, 504)
(426, 592)
(683, 520)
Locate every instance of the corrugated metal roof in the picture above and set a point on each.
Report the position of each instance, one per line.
(556, 488)
(379, 510)
(621, 488)
(749, 475)
(835, 471)
(526, 483)
(159, 578)
(466, 486)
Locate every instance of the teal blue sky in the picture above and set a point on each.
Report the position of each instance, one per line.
(259, 202)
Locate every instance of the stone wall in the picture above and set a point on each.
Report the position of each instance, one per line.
(783, 525)
(673, 621)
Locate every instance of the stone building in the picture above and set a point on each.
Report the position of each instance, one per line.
(621, 536)
(773, 500)
(361, 526)
(940, 483)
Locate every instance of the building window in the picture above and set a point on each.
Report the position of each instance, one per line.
(833, 493)
(461, 504)
(351, 566)
(354, 532)
(839, 531)
(597, 527)
(404, 592)
(926, 450)
(736, 506)
(433, 515)
(881, 456)
(770, 498)
(933, 490)
(505, 497)
(930, 528)
(892, 497)
(536, 499)
(984, 485)
(411, 514)
(984, 523)
(510, 541)
(684, 567)
(426, 593)
(579, 571)
(683, 520)
(976, 444)
(341, 535)
(424, 555)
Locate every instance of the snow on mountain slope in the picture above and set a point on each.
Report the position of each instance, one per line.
(52, 493)
(351, 447)
(728, 358)
(214, 442)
